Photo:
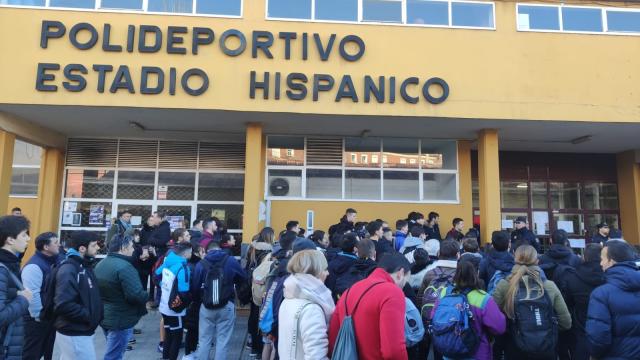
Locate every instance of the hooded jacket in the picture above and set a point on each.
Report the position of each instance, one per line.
(338, 268)
(77, 303)
(410, 245)
(400, 239)
(12, 306)
(341, 227)
(121, 292)
(613, 317)
(172, 267)
(495, 260)
(379, 319)
(474, 258)
(304, 316)
(557, 255)
(233, 275)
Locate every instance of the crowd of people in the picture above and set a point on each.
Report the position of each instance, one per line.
(360, 290)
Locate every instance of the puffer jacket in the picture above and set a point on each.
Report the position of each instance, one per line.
(338, 268)
(304, 316)
(557, 255)
(410, 245)
(613, 316)
(495, 260)
(12, 307)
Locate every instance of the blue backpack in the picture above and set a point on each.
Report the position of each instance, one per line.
(451, 328)
(413, 327)
(495, 279)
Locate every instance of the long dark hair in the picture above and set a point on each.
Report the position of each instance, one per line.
(466, 277)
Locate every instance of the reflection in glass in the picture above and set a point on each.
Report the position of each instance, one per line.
(362, 152)
(285, 150)
(289, 9)
(400, 153)
(362, 184)
(338, 10)
(179, 185)
(427, 12)
(76, 4)
(539, 195)
(514, 194)
(24, 181)
(25, 153)
(171, 6)
(121, 4)
(538, 17)
(221, 187)
(439, 154)
(401, 185)
(324, 184)
(581, 19)
(472, 14)
(231, 215)
(564, 195)
(623, 21)
(601, 196)
(439, 187)
(382, 10)
(219, 7)
(93, 184)
(285, 183)
(135, 185)
(571, 223)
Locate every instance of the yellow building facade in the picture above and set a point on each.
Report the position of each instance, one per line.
(189, 113)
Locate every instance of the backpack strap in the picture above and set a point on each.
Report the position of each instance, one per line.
(13, 277)
(296, 319)
(358, 302)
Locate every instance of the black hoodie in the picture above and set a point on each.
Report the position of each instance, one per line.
(338, 268)
(495, 260)
(557, 255)
(576, 287)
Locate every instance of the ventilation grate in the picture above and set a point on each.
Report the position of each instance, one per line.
(178, 155)
(227, 156)
(138, 154)
(92, 152)
(324, 151)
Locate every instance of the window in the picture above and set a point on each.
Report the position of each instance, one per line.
(171, 6)
(382, 10)
(221, 187)
(623, 21)
(23, 2)
(445, 13)
(176, 185)
(25, 169)
(287, 145)
(565, 195)
(514, 194)
(121, 4)
(219, 7)
(137, 185)
(76, 4)
(290, 152)
(479, 15)
(538, 17)
(92, 184)
(598, 196)
(581, 19)
(534, 17)
(354, 172)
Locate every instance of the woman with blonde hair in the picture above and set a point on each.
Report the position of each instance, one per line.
(306, 309)
(535, 309)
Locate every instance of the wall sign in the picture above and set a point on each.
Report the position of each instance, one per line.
(268, 85)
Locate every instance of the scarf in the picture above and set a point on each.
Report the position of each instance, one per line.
(309, 287)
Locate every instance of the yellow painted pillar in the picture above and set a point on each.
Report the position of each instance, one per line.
(7, 141)
(629, 195)
(489, 183)
(253, 174)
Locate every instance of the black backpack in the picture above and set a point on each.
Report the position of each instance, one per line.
(213, 287)
(178, 301)
(49, 291)
(535, 327)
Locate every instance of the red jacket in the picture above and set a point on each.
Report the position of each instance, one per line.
(378, 321)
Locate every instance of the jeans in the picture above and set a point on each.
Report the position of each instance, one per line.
(76, 347)
(39, 337)
(117, 341)
(216, 324)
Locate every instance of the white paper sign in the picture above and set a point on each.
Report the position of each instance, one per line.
(507, 224)
(67, 218)
(523, 22)
(70, 206)
(577, 243)
(566, 226)
(136, 220)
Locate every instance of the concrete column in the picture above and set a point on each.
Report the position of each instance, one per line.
(629, 195)
(489, 183)
(253, 181)
(7, 141)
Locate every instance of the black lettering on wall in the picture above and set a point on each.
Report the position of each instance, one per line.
(403, 90)
(102, 70)
(122, 80)
(254, 84)
(232, 33)
(73, 36)
(173, 38)
(343, 47)
(79, 81)
(106, 40)
(346, 89)
(51, 30)
(42, 76)
(195, 72)
(261, 40)
(296, 83)
(321, 82)
(324, 51)
(287, 37)
(199, 40)
(371, 87)
(144, 80)
(142, 39)
(435, 81)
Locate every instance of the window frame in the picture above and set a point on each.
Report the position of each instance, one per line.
(379, 168)
(17, 196)
(145, 5)
(403, 14)
(603, 14)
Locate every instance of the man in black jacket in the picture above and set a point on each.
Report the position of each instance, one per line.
(161, 234)
(77, 306)
(559, 256)
(432, 226)
(14, 303)
(576, 287)
(522, 235)
(345, 224)
(383, 246)
(340, 265)
(602, 235)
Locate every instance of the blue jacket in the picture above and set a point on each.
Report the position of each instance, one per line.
(400, 237)
(613, 315)
(495, 260)
(234, 274)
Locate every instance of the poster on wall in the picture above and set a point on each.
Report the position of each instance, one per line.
(219, 214)
(566, 226)
(96, 215)
(162, 192)
(77, 219)
(67, 218)
(70, 206)
(175, 222)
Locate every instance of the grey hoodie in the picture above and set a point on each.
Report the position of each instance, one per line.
(409, 242)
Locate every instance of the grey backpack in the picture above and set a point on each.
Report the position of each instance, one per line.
(346, 346)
